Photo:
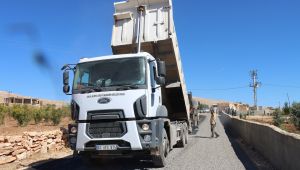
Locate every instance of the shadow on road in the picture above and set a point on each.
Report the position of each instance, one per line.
(70, 163)
(246, 161)
(196, 128)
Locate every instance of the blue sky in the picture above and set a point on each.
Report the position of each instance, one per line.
(220, 42)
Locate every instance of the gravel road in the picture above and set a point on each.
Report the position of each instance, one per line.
(202, 152)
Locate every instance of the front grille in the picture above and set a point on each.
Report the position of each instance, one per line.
(105, 124)
(106, 130)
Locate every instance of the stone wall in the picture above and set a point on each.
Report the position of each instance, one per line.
(19, 147)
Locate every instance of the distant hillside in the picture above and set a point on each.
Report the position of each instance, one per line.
(210, 101)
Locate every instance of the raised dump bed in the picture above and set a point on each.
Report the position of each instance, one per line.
(158, 37)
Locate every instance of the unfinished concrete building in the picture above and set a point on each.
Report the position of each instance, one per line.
(9, 99)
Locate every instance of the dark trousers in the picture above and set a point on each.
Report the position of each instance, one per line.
(212, 129)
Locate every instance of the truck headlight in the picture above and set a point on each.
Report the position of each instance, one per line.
(147, 138)
(145, 127)
(73, 140)
(73, 129)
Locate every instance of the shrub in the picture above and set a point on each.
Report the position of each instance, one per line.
(47, 111)
(243, 116)
(22, 114)
(1, 118)
(66, 111)
(56, 116)
(3, 113)
(277, 120)
(286, 109)
(295, 111)
(37, 115)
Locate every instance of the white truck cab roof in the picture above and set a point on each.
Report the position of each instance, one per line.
(142, 54)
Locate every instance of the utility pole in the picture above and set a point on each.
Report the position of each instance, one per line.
(288, 97)
(255, 84)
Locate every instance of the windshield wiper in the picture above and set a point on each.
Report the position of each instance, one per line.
(86, 89)
(125, 86)
(90, 89)
(98, 89)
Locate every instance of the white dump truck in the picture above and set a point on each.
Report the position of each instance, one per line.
(134, 102)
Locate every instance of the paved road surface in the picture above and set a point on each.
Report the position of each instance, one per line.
(202, 152)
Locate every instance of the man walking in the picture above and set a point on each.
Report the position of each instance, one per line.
(213, 117)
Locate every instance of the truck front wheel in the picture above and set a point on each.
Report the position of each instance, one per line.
(160, 159)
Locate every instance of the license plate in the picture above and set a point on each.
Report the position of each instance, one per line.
(106, 147)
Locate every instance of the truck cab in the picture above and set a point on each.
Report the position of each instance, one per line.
(117, 105)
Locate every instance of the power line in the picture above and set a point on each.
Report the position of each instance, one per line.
(281, 85)
(222, 89)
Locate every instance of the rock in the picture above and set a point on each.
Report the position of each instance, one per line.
(35, 139)
(51, 136)
(6, 159)
(29, 143)
(36, 148)
(28, 154)
(2, 139)
(3, 145)
(32, 134)
(5, 152)
(59, 147)
(49, 140)
(42, 138)
(12, 139)
(27, 148)
(44, 148)
(18, 147)
(51, 147)
(21, 156)
(57, 140)
(19, 151)
(7, 148)
(35, 145)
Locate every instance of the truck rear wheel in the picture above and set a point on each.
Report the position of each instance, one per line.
(186, 135)
(160, 160)
(183, 139)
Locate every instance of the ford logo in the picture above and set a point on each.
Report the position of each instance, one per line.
(104, 100)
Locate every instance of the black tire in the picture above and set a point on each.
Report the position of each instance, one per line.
(182, 142)
(186, 136)
(160, 160)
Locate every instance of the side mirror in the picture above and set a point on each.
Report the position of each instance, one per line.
(161, 80)
(66, 88)
(66, 77)
(161, 68)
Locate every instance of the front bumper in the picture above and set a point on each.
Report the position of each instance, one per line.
(132, 141)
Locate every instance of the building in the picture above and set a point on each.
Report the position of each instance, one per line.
(9, 99)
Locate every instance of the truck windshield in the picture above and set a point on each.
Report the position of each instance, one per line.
(108, 75)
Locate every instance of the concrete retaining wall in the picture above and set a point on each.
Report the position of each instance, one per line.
(281, 148)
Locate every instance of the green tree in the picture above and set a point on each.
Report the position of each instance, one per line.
(295, 111)
(3, 112)
(56, 116)
(277, 120)
(286, 109)
(202, 106)
(37, 115)
(22, 114)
